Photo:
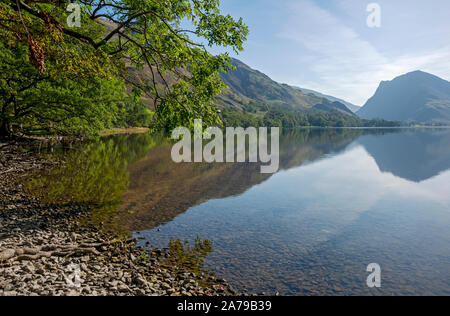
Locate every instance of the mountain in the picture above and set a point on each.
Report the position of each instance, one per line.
(329, 106)
(352, 107)
(416, 97)
(248, 86)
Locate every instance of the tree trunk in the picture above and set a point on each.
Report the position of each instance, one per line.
(5, 129)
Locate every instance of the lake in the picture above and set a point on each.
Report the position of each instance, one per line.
(342, 199)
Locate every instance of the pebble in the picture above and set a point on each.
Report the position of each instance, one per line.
(26, 222)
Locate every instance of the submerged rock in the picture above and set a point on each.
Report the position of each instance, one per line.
(45, 251)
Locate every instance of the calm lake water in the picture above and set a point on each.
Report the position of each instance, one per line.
(342, 199)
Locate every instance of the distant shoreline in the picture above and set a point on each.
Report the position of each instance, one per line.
(119, 131)
(368, 127)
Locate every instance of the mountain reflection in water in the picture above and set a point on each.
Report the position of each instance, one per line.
(343, 198)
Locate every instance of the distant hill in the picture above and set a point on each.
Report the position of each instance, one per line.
(415, 97)
(352, 107)
(249, 86)
(329, 106)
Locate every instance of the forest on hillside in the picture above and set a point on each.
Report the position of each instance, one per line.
(127, 63)
(67, 73)
(289, 118)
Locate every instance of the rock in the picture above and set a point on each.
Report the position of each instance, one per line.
(165, 286)
(123, 288)
(219, 287)
(139, 281)
(72, 293)
(7, 254)
(26, 221)
(84, 267)
(140, 292)
(40, 271)
(8, 288)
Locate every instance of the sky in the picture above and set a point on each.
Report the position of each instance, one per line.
(326, 45)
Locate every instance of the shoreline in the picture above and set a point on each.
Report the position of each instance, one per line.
(126, 131)
(44, 247)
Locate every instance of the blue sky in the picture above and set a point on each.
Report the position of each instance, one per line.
(327, 46)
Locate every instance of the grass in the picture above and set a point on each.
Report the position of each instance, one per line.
(131, 130)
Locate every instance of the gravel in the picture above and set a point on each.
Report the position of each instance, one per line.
(49, 253)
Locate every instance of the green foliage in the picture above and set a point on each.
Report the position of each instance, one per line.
(288, 118)
(134, 113)
(247, 84)
(185, 257)
(142, 258)
(94, 174)
(56, 101)
(139, 34)
(233, 118)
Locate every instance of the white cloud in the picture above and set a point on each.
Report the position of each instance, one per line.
(344, 64)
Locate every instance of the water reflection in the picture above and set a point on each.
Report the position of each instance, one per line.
(342, 199)
(94, 174)
(415, 155)
(160, 189)
(315, 226)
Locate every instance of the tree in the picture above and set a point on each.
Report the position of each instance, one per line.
(166, 37)
(54, 101)
(133, 112)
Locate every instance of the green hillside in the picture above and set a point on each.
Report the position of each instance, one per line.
(247, 85)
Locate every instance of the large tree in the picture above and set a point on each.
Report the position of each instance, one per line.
(54, 101)
(166, 38)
